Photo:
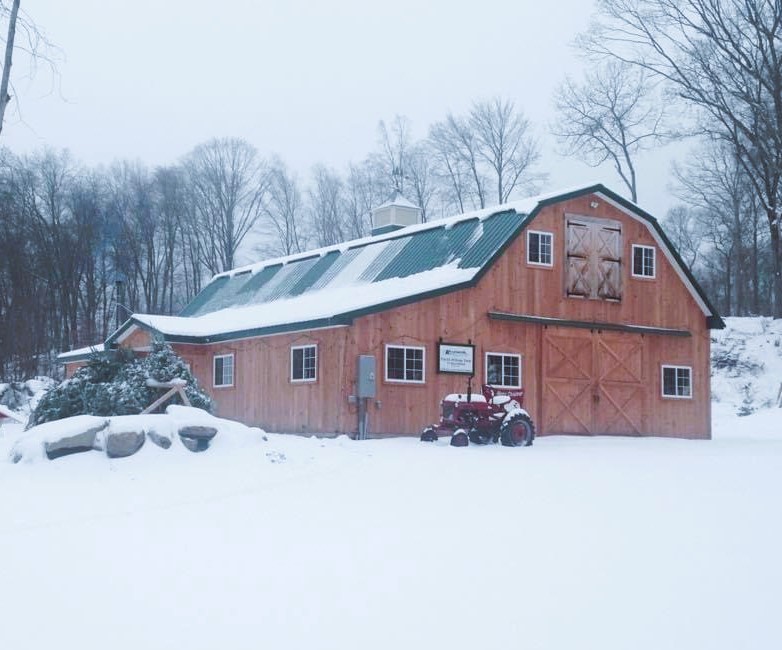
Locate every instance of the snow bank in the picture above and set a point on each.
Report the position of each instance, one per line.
(37, 443)
(23, 396)
(746, 364)
(575, 543)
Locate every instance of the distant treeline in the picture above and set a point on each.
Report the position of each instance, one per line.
(68, 233)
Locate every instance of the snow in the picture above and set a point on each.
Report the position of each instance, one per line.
(80, 352)
(5, 412)
(747, 363)
(30, 445)
(398, 200)
(312, 305)
(290, 542)
(304, 543)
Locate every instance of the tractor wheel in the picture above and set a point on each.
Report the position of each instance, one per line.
(478, 438)
(517, 430)
(429, 435)
(459, 439)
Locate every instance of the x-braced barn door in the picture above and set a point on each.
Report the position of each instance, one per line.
(592, 382)
(593, 252)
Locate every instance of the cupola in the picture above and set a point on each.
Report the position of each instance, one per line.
(394, 214)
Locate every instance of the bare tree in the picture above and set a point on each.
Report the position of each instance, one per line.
(724, 58)
(713, 182)
(33, 42)
(421, 179)
(365, 188)
(395, 146)
(283, 210)
(459, 160)
(612, 116)
(505, 144)
(13, 15)
(326, 206)
(228, 180)
(683, 228)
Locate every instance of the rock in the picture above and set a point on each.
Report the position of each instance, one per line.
(197, 432)
(195, 444)
(125, 443)
(160, 439)
(74, 443)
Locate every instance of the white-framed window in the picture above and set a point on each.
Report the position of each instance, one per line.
(540, 248)
(503, 370)
(643, 261)
(405, 363)
(677, 382)
(304, 363)
(223, 366)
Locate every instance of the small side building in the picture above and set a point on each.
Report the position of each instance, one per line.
(578, 297)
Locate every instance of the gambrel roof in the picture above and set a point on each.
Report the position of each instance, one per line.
(333, 285)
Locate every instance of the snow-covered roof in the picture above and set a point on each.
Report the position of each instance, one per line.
(80, 353)
(398, 200)
(330, 286)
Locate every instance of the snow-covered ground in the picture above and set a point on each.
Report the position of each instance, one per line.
(305, 543)
(574, 543)
(747, 363)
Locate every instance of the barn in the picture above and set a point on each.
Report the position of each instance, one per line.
(578, 297)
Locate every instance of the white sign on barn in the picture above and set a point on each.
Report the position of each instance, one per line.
(455, 358)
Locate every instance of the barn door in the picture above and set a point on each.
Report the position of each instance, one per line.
(592, 383)
(568, 371)
(593, 258)
(619, 387)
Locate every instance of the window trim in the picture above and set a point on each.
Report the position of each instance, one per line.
(215, 357)
(503, 354)
(653, 276)
(405, 381)
(304, 380)
(662, 381)
(541, 264)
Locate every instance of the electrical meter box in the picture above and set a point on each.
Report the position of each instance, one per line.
(366, 376)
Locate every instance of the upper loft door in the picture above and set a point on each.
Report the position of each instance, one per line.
(593, 257)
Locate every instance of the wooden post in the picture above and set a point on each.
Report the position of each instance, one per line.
(174, 386)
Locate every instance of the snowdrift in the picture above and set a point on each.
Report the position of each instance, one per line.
(124, 435)
(746, 364)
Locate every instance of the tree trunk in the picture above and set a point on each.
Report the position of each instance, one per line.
(776, 254)
(9, 51)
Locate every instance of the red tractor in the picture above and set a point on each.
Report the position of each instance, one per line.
(495, 415)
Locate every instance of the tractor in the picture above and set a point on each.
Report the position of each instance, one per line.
(494, 416)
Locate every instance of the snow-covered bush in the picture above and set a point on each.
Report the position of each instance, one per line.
(22, 396)
(116, 384)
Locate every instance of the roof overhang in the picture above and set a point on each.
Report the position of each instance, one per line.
(589, 325)
(134, 323)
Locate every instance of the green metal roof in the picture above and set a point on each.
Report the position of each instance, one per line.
(469, 243)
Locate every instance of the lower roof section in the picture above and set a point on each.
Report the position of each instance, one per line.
(589, 325)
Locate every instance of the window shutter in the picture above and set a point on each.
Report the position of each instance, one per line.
(579, 245)
(608, 257)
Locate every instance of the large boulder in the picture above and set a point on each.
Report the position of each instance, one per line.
(73, 442)
(196, 437)
(196, 432)
(120, 444)
(162, 440)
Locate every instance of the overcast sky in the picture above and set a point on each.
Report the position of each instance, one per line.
(150, 79)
